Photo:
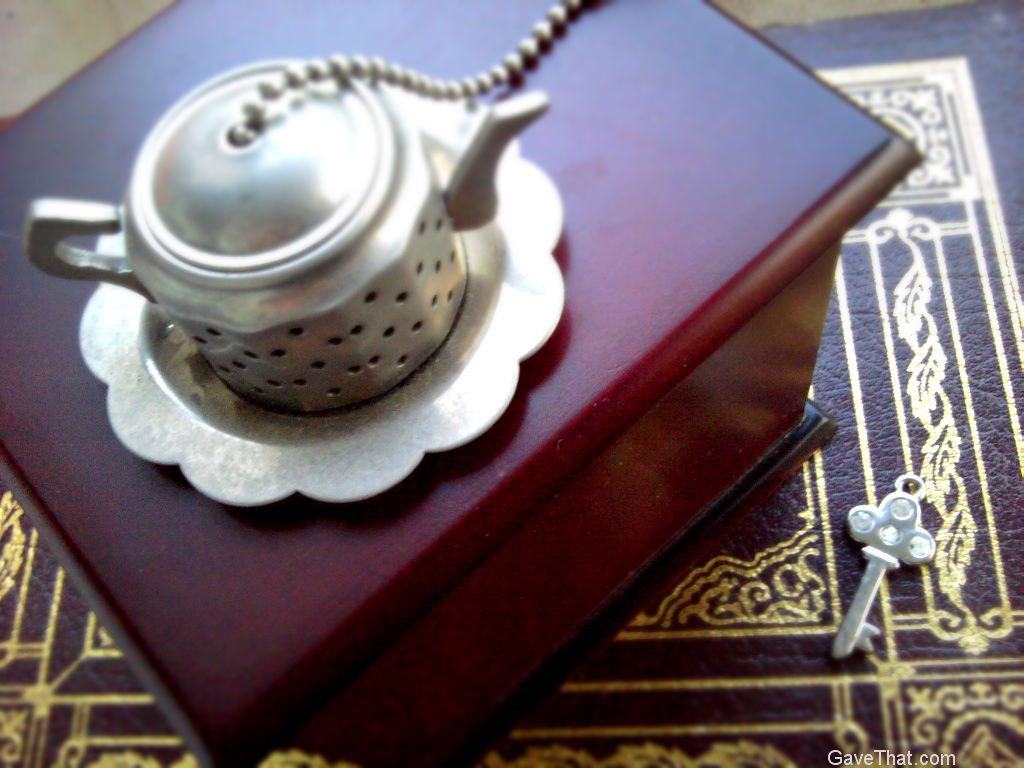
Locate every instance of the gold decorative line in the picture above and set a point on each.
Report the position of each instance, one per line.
(713, 684)
(826, 532)
(96, 643)
(900, 670)
(135, 740)
(849, 347)
(892, 653)
(979, 661)
(65, 673)
(661, 731)
(950, 229)
(51, 626)
(642, 635)
(106, 699)
(890, 347)
(849, 735)
(978, 144)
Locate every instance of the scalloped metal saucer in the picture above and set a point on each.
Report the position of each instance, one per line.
(167, 406)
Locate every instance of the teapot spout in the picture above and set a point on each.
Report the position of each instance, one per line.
(471, 195)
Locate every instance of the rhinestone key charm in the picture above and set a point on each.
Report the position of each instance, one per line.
(891, 533)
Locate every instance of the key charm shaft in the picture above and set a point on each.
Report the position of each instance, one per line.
(856, 631)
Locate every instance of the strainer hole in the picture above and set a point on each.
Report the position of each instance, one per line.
(251, 355)
(373, 360)
(433, 301)
(419, 268)
(437, 266)
(354, 369)
(400, 298)
(296, 331)
(450, 294)
(417, 326)
(333, 391)
(299, 382)
(317, 364)
(423, 227)
(274, 382)
(198, 339)
(370, 297)
(438, 223)
(213, 331)
(451, 257)
(278, 353)
(335, 340)
(258, 390)
(224, 369)
(240, 366)
(389, 332)
(401, 360)
(356, 330)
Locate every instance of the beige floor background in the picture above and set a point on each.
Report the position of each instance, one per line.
(45, 42)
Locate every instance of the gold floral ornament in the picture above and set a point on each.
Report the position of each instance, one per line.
(980, 718)
(131, 759)
(737, 754)
(12, 542)
(779, 586)
(13, 724)
(296, 759)
(951, 616)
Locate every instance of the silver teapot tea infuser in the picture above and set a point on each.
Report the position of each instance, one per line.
(321, 271)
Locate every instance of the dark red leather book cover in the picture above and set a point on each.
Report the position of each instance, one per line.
(702, 173)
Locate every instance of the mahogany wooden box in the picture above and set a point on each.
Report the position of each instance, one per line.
(706, 178)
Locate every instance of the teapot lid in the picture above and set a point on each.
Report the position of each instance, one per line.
(322, 163)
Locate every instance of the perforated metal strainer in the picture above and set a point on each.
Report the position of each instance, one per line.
(361, 349)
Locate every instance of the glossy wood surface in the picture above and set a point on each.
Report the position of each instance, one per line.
(686, 151)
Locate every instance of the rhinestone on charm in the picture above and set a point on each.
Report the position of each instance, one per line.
(921, 548)
(861, 520)
(901, 508)
(889, 534)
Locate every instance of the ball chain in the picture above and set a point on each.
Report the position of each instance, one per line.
(341, 68)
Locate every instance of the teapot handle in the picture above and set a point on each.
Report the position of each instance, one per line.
(52, 220)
